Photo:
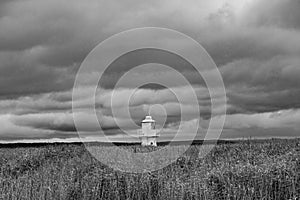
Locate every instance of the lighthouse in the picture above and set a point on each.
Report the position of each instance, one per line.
(148, 132)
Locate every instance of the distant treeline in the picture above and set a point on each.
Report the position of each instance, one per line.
(162, 143)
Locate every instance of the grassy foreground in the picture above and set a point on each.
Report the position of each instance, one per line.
(242, 170)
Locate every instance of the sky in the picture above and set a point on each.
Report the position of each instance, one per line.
(254, 43)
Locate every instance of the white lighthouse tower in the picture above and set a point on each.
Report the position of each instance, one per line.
(148, 134)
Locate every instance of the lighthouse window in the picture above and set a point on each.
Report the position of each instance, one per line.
(151, 143)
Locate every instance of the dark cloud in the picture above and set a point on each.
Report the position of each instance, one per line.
(263, 86)
(20, 75)
(145, 56)
(281, 13)
(42, 43)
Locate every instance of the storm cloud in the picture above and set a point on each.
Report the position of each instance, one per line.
(255, 44)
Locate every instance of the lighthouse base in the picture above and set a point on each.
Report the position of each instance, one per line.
(149, 141)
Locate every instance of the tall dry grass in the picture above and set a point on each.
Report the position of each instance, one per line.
(244, 170)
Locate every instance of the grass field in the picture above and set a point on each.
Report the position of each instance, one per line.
(267, 169)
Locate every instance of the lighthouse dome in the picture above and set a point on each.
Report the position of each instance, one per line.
(148, 119)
